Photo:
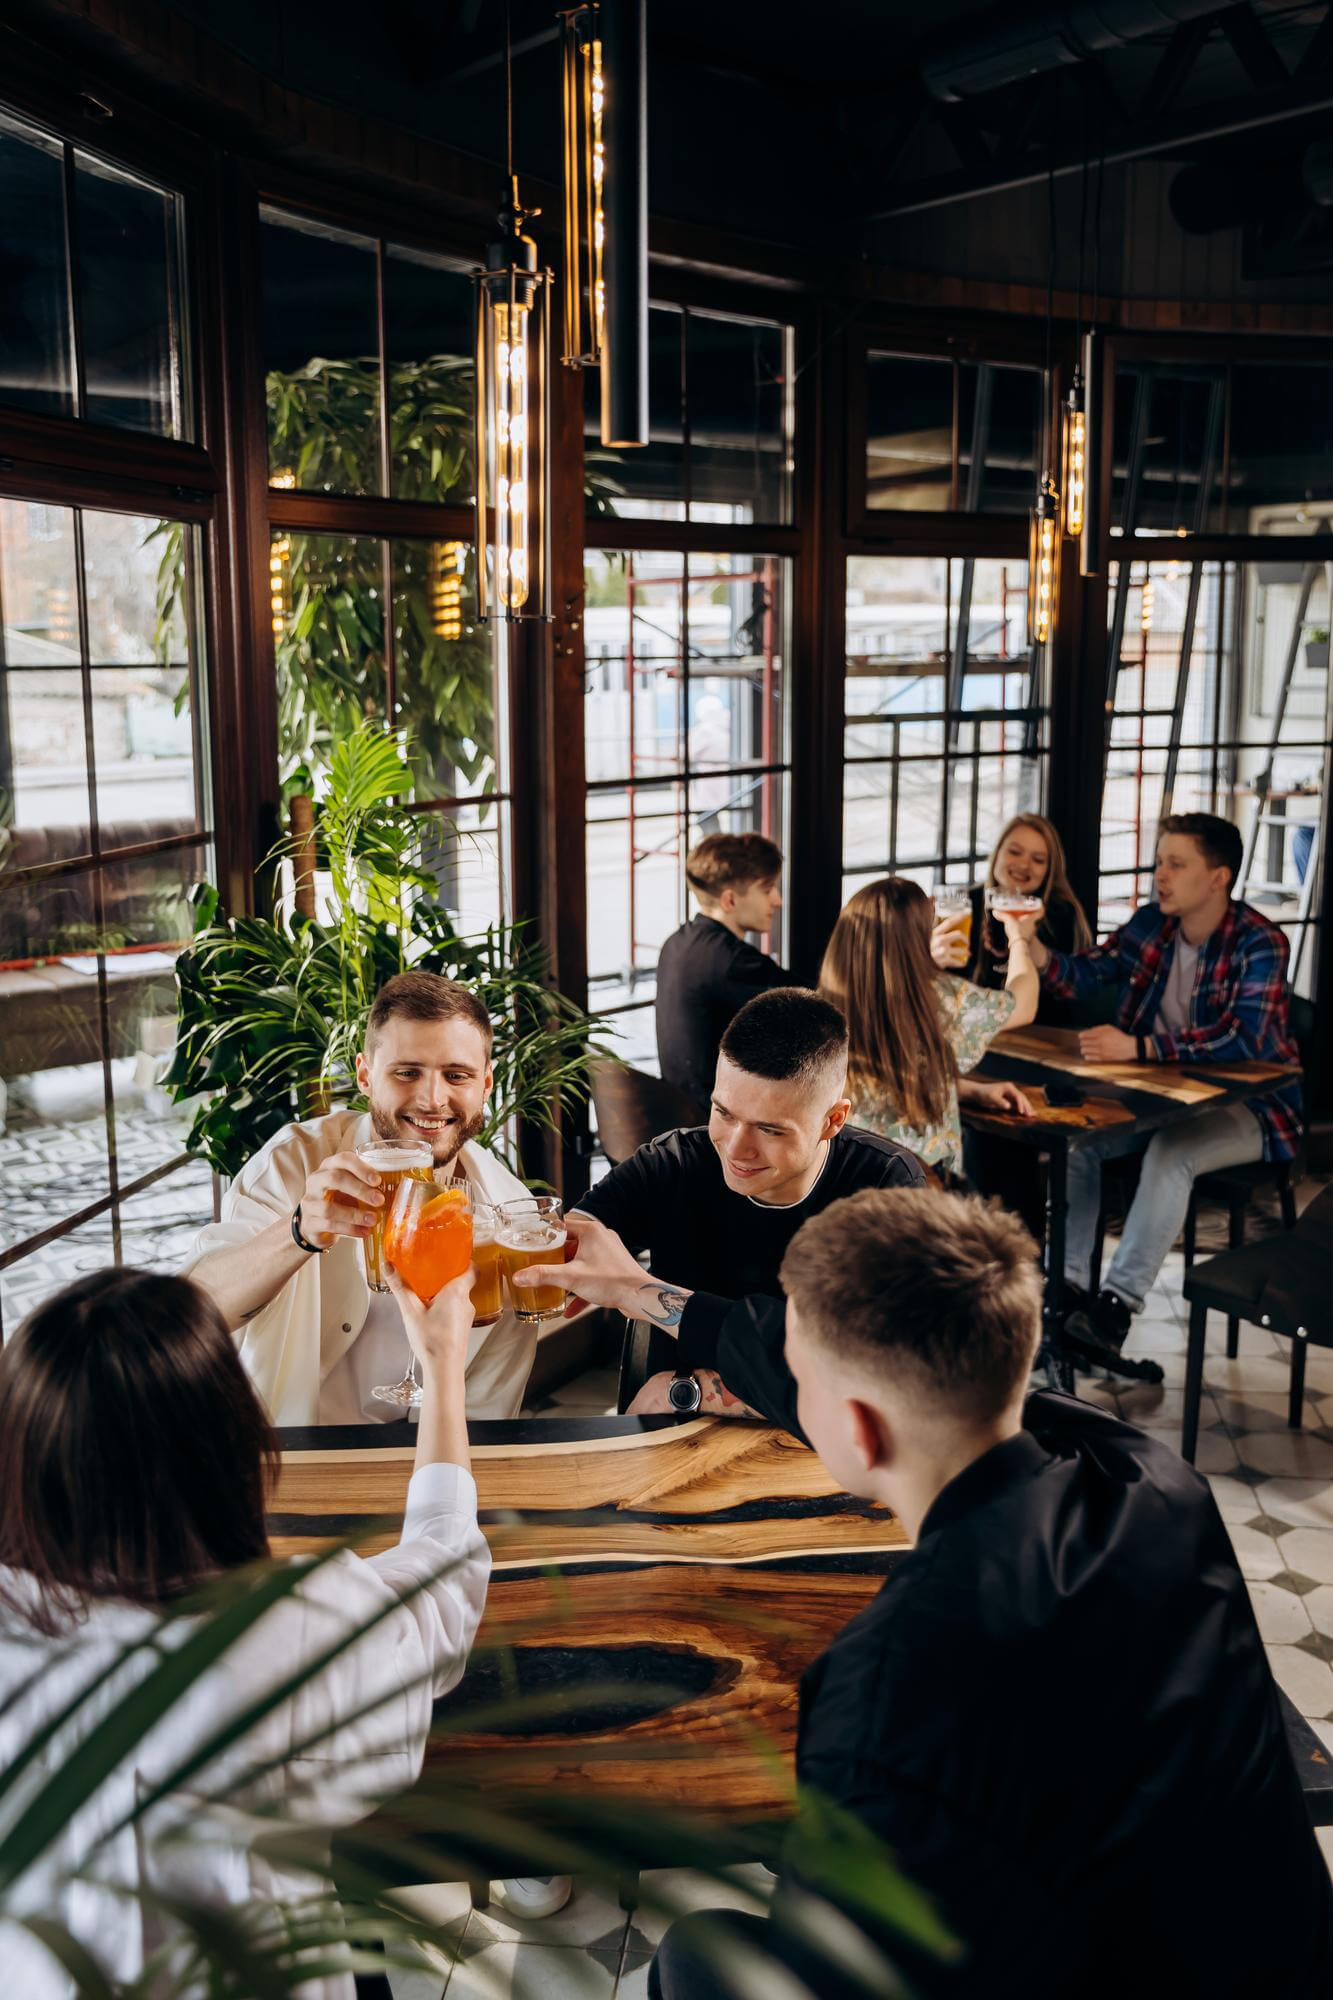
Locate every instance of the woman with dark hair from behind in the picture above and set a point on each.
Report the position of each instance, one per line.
(915, 1030)
(136, 1465)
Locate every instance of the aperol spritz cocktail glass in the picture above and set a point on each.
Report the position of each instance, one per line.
(428, 1241)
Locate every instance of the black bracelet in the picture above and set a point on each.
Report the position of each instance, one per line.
(311, 1249)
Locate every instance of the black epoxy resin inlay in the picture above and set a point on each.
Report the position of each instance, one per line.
(627, 1684)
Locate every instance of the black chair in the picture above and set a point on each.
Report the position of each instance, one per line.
(633, 1107)
(1283, 1283)
(1233, 1188)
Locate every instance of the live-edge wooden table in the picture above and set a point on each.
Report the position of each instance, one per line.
(1129, 1099)
(707, 1557)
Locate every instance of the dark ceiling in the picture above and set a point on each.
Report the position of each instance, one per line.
(821, 126)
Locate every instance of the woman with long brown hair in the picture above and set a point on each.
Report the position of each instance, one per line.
(1028, 858)
(915, 1030)
(136, 1466)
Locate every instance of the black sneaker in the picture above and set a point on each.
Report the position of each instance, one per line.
(1095, 1333)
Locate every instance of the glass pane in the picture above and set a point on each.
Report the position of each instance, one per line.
(328, 621)
(25, 1285)
(128, 560)
(129, 299)
(36, 368)
(321, 356)
(444, 668)
(649, 480)
(739, 386)
(909, 432)
(632, 635)
(632, 1032)
(43, 765)
(432, 403)
(159, 1224)
(1281, 447)
(1174, 412)
(1008, 403)
(462, 851)
(143, 743)
(736, 631)
(898, 621)
(637, 840)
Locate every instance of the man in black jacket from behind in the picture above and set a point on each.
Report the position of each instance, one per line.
(708, 969)
(1057, 1712)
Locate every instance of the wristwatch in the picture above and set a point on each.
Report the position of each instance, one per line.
(311, 1249)
(684, 1393)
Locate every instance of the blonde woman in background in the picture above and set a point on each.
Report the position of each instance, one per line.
(917, 1030)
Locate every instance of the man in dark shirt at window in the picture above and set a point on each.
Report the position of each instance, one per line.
(717, 1205)
(708, 969)
(1057, 1713)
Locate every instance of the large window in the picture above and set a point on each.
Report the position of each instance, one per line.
(369, 395)
(686, 646)
(944, 725)
(1221, 704)
(104, 827)
(91, 324)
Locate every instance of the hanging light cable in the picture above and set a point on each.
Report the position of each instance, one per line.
(1074, 441)
(1044, 519)
(513, 365)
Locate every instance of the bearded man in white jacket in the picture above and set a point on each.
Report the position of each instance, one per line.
(284, 1264)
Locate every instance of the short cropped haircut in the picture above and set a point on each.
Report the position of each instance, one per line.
(788, 1034)
(731, 861)
(1219, 840)
(426, 996)
(137, 1457)
(937, 1293)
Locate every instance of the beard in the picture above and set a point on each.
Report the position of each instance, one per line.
(445, 1146)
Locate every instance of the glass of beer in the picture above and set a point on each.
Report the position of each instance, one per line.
(1011, 902)
(393, 1163)
(532, 1231)
(953, 906)
(428, 1241)
(488, 1292)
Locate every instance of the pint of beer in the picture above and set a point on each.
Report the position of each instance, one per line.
(487, 1293)
(393, 1164)
(953, 906)
(532, 1232)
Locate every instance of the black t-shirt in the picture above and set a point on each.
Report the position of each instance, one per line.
(989, 962)
(670, 1199)
(705, 975)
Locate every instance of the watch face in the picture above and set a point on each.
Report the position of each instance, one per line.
(684, 1393)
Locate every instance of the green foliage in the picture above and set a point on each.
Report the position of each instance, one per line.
(441, 1830)
(273, 1011)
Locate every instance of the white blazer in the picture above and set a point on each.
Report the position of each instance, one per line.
(290, 1346)
(417, 1652)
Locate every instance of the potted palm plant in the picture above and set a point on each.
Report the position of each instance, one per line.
(272, 1010)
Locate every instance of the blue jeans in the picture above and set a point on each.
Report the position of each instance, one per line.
(1173, 1159)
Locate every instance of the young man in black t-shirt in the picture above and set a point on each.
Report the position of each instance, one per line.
(718, 1204)
(708, 969)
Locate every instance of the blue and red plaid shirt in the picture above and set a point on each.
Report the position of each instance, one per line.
(1238, 1009)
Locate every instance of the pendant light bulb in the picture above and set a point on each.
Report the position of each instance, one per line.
(513, 428)
(1043, 564)
(1074, 457)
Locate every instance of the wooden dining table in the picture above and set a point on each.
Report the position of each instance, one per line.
(1127, 1099)
(688, 1571)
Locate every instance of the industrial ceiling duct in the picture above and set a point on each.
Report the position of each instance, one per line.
(968, 59)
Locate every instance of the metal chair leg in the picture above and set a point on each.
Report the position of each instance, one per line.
(1191, 1224)
(1286, 1196)
(1189, 1429)
(1296, 1392)
(1099, 1244)
(1235, 1237)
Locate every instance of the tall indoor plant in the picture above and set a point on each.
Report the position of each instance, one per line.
(272, 1010)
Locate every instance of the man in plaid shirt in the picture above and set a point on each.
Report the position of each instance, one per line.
(1200, 978)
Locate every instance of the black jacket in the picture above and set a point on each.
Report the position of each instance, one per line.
(705, 975)
(1059, 1715)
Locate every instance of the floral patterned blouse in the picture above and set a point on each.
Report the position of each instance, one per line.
(973, 1017)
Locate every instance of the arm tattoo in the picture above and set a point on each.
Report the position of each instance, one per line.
(661, 1304)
